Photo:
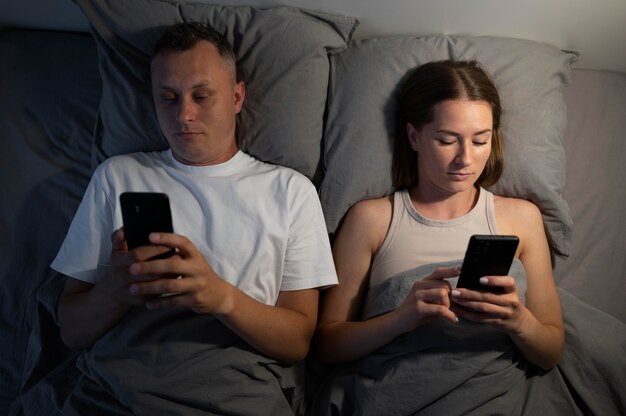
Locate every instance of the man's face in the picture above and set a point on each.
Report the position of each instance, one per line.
(197, 100)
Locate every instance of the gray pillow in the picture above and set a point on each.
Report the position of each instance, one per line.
(282, 55)
(361, 119)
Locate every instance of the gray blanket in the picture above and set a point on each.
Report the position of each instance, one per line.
(467, 368)
(177, 363)
(172, 362)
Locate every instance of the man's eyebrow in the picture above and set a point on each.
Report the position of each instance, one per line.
(201, 84)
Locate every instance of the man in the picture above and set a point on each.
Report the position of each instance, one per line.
(251, 245)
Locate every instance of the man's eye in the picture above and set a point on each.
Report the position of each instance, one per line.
(200, 97)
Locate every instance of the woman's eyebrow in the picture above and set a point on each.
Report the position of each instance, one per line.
(453, 133)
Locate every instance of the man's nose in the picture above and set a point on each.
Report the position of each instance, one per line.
(187, 111)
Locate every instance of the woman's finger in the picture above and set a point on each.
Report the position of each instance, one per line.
(442, 273)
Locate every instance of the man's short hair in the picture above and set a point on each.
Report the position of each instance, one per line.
(184, 36)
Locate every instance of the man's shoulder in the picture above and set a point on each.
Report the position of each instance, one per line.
(128, 160)
(286, 173)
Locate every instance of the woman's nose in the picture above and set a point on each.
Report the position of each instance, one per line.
(463, 156)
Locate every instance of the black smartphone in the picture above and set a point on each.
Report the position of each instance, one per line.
(144, 213)
(487, 255)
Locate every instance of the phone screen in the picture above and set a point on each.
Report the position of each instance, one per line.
(487, 255)
(144, 213)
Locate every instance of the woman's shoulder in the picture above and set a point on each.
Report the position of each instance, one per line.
(369, 219)
(371, 210)
(514, 204)
(516, 212)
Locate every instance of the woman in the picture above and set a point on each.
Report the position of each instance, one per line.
(448, 147)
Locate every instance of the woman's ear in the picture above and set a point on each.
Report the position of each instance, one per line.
(412, 134)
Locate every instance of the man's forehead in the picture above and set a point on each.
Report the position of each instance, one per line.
(204, 55)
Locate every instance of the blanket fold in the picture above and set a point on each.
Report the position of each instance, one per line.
(447, 368)
(179, 362)
(156, 362)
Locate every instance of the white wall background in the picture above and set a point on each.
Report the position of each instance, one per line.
(595, 28)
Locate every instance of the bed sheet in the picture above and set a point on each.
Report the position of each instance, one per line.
(50, 92)
(595, 145)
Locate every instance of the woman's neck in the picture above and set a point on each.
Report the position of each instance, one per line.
(443, 206)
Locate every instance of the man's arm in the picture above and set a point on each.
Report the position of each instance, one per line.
(87, 311)
(282, 331)
(85, 314)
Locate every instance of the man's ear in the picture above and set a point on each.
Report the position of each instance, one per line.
(240, 94)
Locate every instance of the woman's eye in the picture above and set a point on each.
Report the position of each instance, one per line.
(446, 142)
(480, 143)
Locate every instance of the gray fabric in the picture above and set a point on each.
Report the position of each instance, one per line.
(50, 91)
(365, 81)
(282, 57)
(595, 142)
(179, 362)
(467, 368)
(159, 362)
(594, 356)
(50, 372)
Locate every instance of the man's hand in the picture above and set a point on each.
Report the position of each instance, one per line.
(116, 281)
(198, 288)
(282, 331)
(88, 311)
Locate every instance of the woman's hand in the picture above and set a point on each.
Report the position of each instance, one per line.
(503, 310)
(428, 299)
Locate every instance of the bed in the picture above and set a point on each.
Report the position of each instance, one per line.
(321, 104)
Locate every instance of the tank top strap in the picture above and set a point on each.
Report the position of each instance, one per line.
(397, 213)
(490, 209)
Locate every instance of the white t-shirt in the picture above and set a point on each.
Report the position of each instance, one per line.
(259, 226)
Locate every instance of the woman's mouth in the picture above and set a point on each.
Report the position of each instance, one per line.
(459, 176)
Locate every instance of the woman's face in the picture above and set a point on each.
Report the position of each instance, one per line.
(453, 149)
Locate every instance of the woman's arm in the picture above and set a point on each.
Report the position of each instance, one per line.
(340, 335)
(536, 327)
(540, 336)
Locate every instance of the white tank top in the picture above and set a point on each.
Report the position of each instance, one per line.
(414, 240)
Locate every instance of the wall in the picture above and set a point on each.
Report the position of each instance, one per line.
(597, 29)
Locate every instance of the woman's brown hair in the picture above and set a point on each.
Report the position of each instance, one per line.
(433, 83)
